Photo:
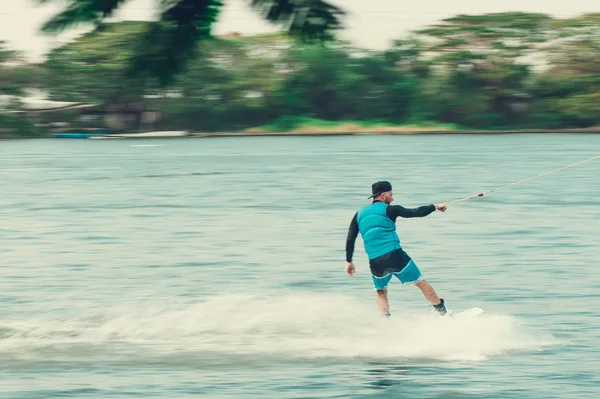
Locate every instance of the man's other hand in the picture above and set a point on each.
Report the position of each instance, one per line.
(350, 268)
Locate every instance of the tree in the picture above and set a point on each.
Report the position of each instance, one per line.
(6, 54)
(92, 68)
(319, 83)
(165, 46)
(482, 61)
(15, 77)
(230, 84)
(8, 85)
(479, 71)
(567, 93)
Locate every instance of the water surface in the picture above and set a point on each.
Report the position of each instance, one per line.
(214, 268)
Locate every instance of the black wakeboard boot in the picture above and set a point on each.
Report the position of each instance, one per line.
(441, 307)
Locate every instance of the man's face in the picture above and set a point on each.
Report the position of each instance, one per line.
(387, 197)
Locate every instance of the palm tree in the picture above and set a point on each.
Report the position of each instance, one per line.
(167, 44)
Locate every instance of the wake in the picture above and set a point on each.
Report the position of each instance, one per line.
(292, 327)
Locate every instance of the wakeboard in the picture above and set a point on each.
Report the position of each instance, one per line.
(466, 314)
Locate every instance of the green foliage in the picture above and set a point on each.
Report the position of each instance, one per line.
(308, 19)
(224, 88)
(467, 71)
(330, 84)
(93, 68)
(165, 47)
(500, 36)
(8, 83)
(18, 125)
(6, 54)
(299, 123)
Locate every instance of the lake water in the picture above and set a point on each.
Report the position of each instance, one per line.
(214, 267)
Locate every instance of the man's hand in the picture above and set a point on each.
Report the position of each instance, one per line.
(350, 268)
(441, 207)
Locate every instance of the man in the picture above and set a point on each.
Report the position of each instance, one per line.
(376, 223)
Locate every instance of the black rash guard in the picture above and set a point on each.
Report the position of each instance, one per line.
(393, 212)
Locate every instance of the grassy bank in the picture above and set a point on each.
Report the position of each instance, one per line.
(301, 125)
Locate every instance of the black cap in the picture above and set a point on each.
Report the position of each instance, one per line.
(380, 187)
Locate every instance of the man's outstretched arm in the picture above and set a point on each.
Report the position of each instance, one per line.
(395, 211)
(351, 238)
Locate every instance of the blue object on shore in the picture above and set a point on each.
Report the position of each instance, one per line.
(77, 135)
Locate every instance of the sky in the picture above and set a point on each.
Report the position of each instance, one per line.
(370, 24)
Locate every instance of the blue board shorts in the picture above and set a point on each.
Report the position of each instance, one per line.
(395, 263)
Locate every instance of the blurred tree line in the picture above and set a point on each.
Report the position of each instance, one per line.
(492, 71)
(15, 77)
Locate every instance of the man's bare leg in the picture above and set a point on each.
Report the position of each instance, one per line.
(432, 296)
(429, 292)
(382, 302)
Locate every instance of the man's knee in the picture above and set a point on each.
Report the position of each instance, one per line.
(423, 283)
(382, 291)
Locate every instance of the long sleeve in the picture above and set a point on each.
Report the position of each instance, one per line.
(395, 211)
(351, 239)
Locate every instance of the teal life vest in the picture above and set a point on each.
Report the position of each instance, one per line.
(378, 231)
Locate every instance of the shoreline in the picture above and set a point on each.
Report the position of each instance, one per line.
(392, 132)
(316, 132)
